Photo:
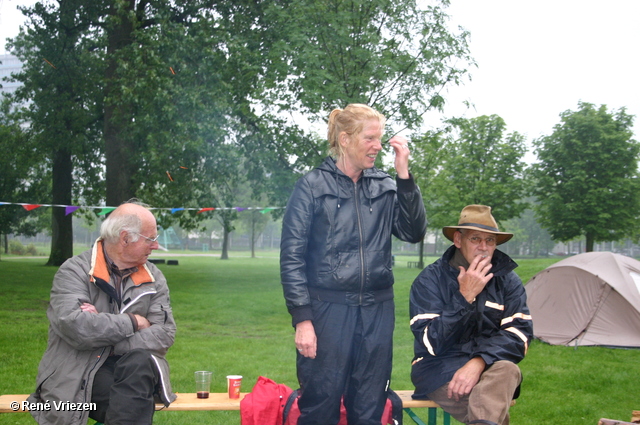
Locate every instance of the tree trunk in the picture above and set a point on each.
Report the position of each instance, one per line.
(253, 233)
(61, 224)
(421, 264)
(589, 243)
(119, 157)
(225, 244)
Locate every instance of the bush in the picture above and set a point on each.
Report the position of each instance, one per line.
(31, 250)
(16, 247)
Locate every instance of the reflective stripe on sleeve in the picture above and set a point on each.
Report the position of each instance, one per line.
(427, 344)
(521, 336)
(424, 316)
(514, 317)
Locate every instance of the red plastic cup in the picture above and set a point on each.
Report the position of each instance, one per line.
(234, 382)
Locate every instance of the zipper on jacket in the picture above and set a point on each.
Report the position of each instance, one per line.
(85, 381)
(361, 247)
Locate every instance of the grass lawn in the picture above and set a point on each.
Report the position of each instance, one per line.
(232, 319)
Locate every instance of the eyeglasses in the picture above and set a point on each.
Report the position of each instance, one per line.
(150, 240)
(477, 240)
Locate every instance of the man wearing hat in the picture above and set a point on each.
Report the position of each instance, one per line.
(471, 323)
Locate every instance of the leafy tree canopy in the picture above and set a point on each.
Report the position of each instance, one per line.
(587, 176)
(472, 162)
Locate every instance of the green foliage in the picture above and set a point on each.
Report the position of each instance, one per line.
(22, 177)
(16, 247)
(528, 235)
(164, 100)
(587, 176)
(391, 55)
(471, 162)
(60, 98)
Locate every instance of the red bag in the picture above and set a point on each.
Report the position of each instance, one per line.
(265, 403)
(392, 413)
(292, 412)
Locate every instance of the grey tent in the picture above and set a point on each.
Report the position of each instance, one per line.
(588, 299)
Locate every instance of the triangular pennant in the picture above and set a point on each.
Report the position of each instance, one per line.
(175, 210)
(69, 209)
(30, 207)
(106, 210)
(205, 209)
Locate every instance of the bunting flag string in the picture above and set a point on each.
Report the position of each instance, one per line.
(104, 210)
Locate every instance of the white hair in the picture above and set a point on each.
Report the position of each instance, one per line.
(117, 222)
(114, 224)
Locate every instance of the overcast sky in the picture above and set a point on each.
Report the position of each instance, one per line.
(539, 58)
(535, 59)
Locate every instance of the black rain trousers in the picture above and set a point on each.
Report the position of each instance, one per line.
(354, 356)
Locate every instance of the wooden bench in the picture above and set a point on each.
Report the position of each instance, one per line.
(221, 401)
(415, 264)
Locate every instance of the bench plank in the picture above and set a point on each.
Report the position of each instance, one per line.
(185, 401)
(216, 401)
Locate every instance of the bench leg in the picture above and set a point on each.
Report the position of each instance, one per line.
(433, 415)
(415, 418)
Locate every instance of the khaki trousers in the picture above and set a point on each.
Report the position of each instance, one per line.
(489, 400)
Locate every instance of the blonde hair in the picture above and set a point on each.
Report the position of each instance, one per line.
(349, 120)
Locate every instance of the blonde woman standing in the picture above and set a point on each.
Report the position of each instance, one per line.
(335, 266)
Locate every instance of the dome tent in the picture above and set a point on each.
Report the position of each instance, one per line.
(588, 299)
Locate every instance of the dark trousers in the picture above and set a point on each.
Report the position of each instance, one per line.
(354, 356)
(124, 388)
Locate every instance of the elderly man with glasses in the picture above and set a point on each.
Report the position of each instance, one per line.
(471, 323)
(110, 326)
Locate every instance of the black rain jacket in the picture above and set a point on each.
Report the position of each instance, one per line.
(336, 237)
(449, 331)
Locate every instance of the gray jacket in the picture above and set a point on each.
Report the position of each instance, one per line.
(80, 342)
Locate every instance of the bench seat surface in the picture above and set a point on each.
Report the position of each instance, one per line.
(216, 401)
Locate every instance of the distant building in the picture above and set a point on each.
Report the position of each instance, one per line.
(9, 64)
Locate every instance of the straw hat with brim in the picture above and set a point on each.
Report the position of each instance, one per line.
(477, 217)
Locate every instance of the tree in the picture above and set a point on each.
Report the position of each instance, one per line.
(164, 86)
(427, 153)
(480, 164)
(21, 178)
(62, 107)
(388, 54)
(529, 237)
(152, 123)
(587, 176)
